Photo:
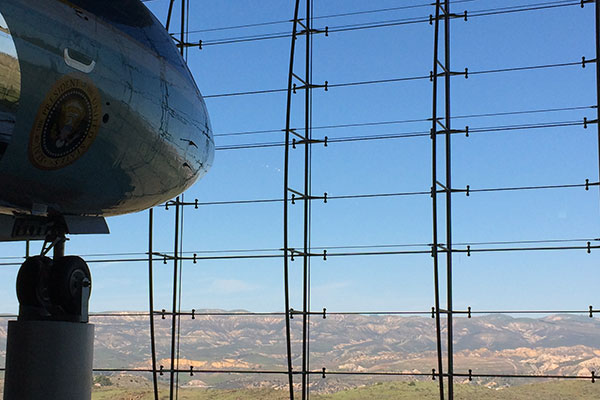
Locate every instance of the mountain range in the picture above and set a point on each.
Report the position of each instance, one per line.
(500, 344)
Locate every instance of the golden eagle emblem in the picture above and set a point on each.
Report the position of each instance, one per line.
(66, 124)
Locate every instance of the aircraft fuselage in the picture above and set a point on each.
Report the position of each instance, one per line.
(99, 114)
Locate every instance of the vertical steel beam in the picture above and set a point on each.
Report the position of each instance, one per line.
(182, 32)
(169, 14)
(173, 391)
(447, 121)
(598, 79)
(151, 299)
(434, 248)
(447, 189)
(175, 291)
(286, 249)
(307, 201)
(180, 290)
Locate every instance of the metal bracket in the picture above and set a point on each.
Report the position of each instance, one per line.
(587, 122)
(442, 16)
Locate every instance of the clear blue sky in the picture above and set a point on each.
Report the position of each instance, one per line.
(566, 155)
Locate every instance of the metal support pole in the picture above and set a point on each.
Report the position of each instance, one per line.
(307, 194)
(434, 248)
(447, 120)
(175, 291)
(180, 292)
(169, 14)
(151, 300)
(182, 35)
(175, 314)
(286, 254)
(598, 78)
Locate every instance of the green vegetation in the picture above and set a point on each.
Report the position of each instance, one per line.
(562, 390)
(192, 394)
(102, 380)
(429, 390)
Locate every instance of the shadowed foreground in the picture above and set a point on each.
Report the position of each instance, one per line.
(382, 391)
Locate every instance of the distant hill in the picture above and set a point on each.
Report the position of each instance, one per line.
(557, 344)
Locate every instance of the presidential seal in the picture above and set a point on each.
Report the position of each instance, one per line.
(66, 124)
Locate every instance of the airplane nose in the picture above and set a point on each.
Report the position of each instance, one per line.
(10, 85)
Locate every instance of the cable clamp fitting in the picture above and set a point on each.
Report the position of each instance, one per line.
(312, 31)
(324, 313)
(466, 190)
(591, 312)
(170, 203)
(193, 313)
(468, 250)
(185, 45)
(191, 370)
(465, 73)
(584, 61)
(464, 15)
(470, 375)
(432, 312)
(589, 247)
(469, 312)
(161, 373)
(433, 374)
(308, 141)
(163, 311)
(450, 73)
(324, 255)
(310, 86)
(323, 376)
(586, 122)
